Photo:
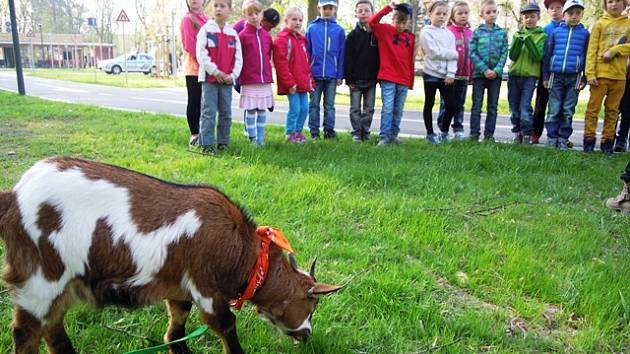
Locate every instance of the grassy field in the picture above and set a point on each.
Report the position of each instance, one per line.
(462, 247)
(415, 99)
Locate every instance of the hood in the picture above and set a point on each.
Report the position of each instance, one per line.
(608, 17)
(485, 28)
(319, 19)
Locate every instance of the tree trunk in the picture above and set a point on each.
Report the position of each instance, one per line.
(312, 10)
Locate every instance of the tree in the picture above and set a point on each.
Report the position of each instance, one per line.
(104, 16)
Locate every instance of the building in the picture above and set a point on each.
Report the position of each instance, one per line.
(49, 50)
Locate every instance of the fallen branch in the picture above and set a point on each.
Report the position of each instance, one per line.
(437, 347)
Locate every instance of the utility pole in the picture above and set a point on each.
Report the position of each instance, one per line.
(17, 55)
(173, 45)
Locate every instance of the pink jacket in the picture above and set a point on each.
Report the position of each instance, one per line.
(257, 48)
(191, 23)
(462, 39)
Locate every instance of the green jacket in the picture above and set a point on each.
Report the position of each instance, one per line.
(527, 51)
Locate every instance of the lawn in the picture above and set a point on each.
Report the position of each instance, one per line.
(463, 247)
(415, 99)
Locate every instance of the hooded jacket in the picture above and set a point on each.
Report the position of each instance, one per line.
(396, 50)
(462, 43)
(440, 53)
(256, 44)
(488, 50)
(361, 56)
(191, 23)
(609, 33)
(527, 52)
(218, 49)
(325, 43)
(566, 50)
(291, 61)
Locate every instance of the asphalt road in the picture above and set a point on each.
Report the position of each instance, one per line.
(173, 101)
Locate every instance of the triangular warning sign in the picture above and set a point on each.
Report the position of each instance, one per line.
(122, 17)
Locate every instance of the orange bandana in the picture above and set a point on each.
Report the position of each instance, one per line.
(267, 236)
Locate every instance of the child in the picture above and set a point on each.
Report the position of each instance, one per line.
(554, 10)
(622, 201)
(396, 70)
(458, 24)
(526, 53)
(440, 66)
(325, 42)
(608, 51)
(488, 51)
(361, 69)
(564, 74)
(270, 20)
(256, 76)
(621, 141)
(220, 63)
(191, 23)
(291, 60)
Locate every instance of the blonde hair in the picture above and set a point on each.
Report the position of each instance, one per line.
(228, 2)
(457, 4)
(252, 6)
(292, 11)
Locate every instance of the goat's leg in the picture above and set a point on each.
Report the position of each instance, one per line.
(223, 323)
(177, 315)
(27, 332)
(57, 339)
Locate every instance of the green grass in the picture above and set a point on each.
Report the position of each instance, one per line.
(443, 247)
(415, 98)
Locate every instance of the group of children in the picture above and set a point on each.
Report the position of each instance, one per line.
(560, 59)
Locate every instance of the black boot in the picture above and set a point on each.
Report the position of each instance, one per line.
(606, 146)
(589, 144)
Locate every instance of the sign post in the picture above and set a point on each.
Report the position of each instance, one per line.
(17, 55)
(92, 23)
(122, 17)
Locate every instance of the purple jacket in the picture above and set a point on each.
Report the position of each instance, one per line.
(257, 48)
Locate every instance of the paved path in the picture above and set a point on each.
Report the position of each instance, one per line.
(173, 101)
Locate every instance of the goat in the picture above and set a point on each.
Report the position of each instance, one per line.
(79, 230)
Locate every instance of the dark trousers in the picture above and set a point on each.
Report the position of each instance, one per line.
(624, 123)
(361, 113)
(480, 85)
(626, 174)
(542, 99)
(459, 95)
(193, 108)
(431, 86)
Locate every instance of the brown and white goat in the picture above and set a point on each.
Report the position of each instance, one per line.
(83, 230)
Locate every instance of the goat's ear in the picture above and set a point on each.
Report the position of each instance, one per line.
(323, 289)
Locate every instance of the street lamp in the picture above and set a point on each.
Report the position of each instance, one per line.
(41, 39)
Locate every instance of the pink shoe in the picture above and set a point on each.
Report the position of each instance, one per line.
(301, 138)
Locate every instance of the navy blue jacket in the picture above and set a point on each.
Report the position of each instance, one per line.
(566, 51)
(326, 42)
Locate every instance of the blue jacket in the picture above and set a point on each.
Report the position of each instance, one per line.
(550, 27)
(566, 51)
(327, 61)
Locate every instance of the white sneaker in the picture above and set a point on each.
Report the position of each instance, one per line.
(460, 136)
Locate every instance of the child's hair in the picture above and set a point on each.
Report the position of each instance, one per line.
(364, 2)
(451, 19)
(485, 3)
(202, 6)
(292, 11)
(437, 4)
(252, 6)
(228, 2)
(271, 16)
(625, 2)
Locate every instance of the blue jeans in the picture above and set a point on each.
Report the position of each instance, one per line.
(298, 110)
(329, 88)
(393, 97)
(480, 85)
(520, 93)
(562, 100)
(215, 98)
(460, 89)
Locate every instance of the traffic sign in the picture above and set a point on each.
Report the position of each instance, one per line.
(122, 17)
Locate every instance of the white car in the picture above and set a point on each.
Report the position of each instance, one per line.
(136, 62)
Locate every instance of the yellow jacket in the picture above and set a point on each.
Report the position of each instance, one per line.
(609, 33)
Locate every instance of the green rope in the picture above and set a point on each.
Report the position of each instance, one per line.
(196, 333)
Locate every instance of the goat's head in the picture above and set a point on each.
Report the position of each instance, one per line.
(291, 299)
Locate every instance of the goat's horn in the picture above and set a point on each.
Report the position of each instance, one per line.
(312, 271)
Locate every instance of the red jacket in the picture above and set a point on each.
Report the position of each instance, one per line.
(218, 49)
(256, 44)
(291, 61)
(396, 51)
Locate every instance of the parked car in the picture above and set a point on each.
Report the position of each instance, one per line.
(136, 62)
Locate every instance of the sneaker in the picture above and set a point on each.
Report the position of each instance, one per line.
(488, 139)
(290, 137)
(460, 136)
(330, 134)
(397, 141)
(444, 137)
(356, 139)
(551, 142)
(606, 146)
(622, 201)
(207, 150)
(300, 137)
(563, 144)
(589, 144)
(366, 136)
(527, 139)
(569, 144)
(383, 142)
(620, 145)
(315, 136)
(221, 147)
(474, 138)
(535, 139)
(433, 139)
(518, 138)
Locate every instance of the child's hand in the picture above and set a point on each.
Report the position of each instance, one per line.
(581, 86)
(546, 84)
(227, 80)
(489, 74)
(392, 4)
(293, 89)
(593, 82)
(220, 77)
(449, 81)
(608, 56)
(339, 82)
(351, 86)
